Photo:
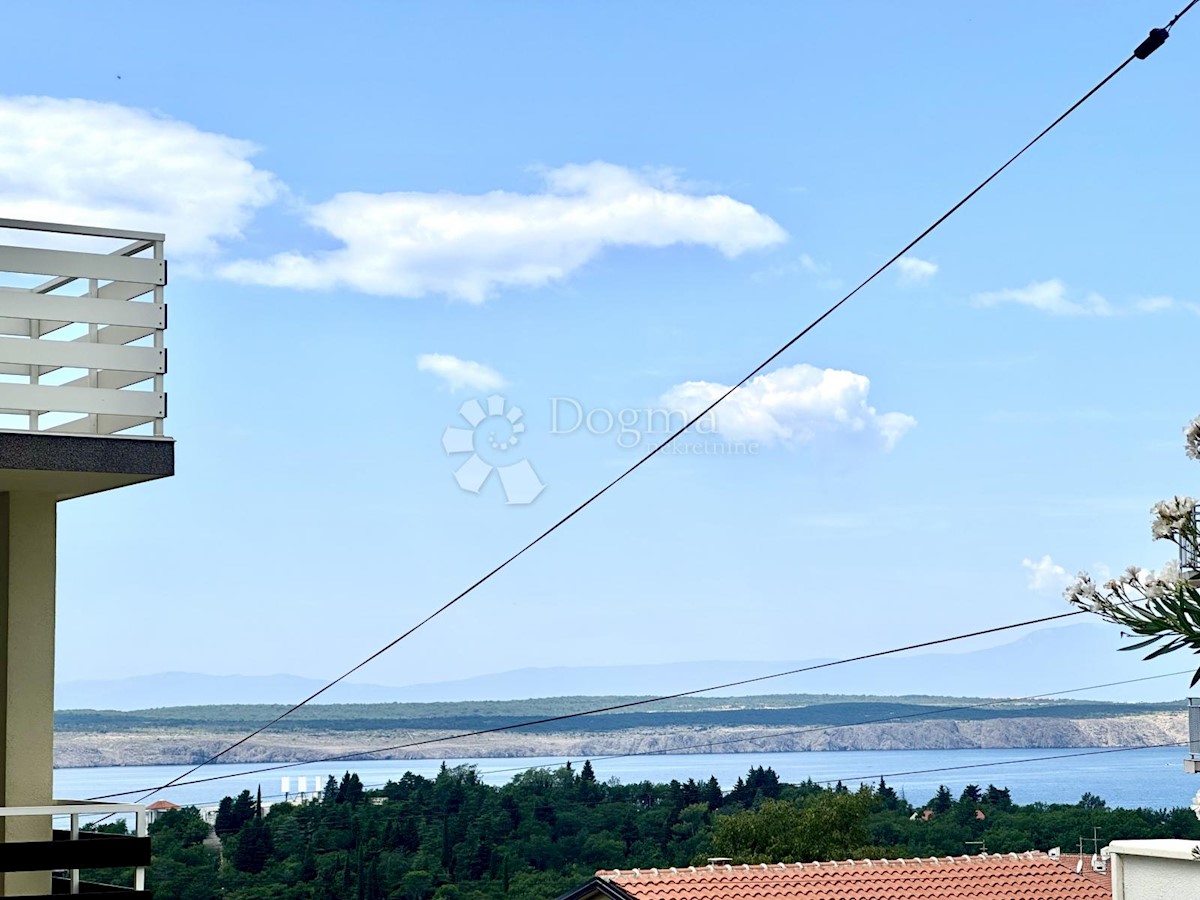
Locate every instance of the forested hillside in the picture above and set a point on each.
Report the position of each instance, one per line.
(781, 709)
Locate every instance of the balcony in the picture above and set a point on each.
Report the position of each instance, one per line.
(71, 850)
(82, 358)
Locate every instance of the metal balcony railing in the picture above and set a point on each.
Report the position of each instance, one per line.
(1192, 763)
(71, 850)
(82, 352)
(1189, 547)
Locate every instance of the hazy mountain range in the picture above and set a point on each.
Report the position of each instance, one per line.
(1042, 661)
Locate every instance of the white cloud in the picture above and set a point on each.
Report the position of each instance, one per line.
(808, 264)
(1163, 304)
(914, 270)
(1055, 298)
(793, 406)
(461, 374)
(104, 164)
(1046, 576)
(1049, 297)
(468, 245)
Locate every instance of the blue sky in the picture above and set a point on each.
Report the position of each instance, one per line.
(624, 208)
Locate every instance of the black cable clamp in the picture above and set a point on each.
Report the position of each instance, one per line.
(1157, 37)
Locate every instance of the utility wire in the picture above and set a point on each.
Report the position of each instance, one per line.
(614, 707)
(1156, 39)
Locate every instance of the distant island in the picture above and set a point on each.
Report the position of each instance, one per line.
(768, 723)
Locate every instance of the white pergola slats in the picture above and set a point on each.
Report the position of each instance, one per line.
(24, 397)
(63, 310)
(101, 314)
(50, 355)
(69, 263)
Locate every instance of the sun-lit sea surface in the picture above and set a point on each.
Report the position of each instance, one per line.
(1151, 778)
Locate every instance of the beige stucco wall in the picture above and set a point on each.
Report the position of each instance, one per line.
(1154, 870)
(27, 572)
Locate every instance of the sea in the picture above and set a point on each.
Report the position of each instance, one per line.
(1152, 777)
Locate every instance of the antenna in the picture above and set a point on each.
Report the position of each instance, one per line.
(982, 845)
(1098, 863)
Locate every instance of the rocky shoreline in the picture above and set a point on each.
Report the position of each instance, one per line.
(162, 746)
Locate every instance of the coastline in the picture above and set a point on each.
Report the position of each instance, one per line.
(184, 746)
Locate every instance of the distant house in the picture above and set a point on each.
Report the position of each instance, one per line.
(1030, 876)
(158, 807)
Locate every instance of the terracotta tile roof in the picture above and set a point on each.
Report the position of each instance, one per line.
(1028, 876)
(159, 805)
(1071, 861)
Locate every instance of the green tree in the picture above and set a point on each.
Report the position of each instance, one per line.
(998, 797)
(886, 795)
(827, 826)
(712, 793)
(416, 885)
(225, 823)
(942, 801)
(243, 809)
(253, 846)
(1091, 801)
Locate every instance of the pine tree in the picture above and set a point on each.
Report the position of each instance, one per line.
(225, 823)
(887, 795)
(243, 809)
(942, 801)
(254, 847)
(998, 797)
(308, 864)
(712, 793)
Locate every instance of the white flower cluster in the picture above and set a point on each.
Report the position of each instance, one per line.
(1191, 438)
(1172, 517)
(1145, 584)
(1082, 593)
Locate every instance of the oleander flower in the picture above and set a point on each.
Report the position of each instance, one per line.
(1191, 436)
(1163, 607)
(1172, 517)
(1082, 593)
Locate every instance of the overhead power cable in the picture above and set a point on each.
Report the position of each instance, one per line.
(613, 707)
(1156, 38)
